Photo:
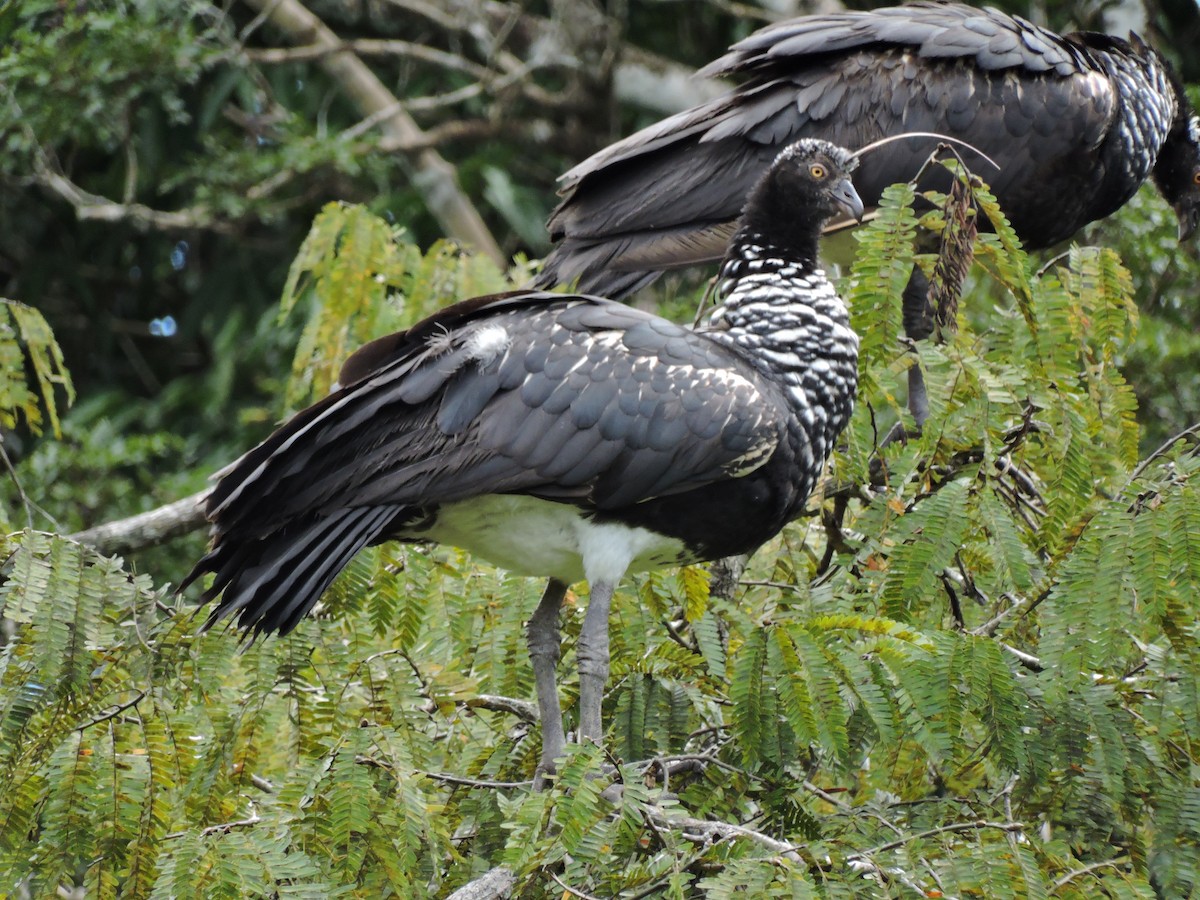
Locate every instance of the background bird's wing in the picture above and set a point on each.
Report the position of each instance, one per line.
(665, 197)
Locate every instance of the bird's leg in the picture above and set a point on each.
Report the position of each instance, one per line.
(543, 637)
(592, 654)
(918, 325)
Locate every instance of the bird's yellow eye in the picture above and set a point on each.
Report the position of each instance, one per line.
(1196, 177)
(817, 171)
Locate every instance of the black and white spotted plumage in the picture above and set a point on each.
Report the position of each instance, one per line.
(1076, 123)
(566, 436)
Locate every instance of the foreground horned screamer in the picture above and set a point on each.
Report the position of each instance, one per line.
(564, 436)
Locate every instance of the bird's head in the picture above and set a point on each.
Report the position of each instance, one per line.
(807, 185)
(1177, 174)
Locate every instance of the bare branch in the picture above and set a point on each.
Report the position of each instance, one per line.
(146, 529)
(988, 628)
(475, 782)
(1028, 660)
(370, 47)
(112, 713)
(94, 208)
(434, 178)
(640, 77)
(1087, 870)
(976, 825)
(1145, 463)
(492, 885)
(458, 130)
(522, 709)
(223, 828)
(705, 829)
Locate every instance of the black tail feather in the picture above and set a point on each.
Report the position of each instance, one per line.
(267, 584)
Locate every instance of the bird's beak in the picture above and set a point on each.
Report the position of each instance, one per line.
(1189, 218)
(847, 198)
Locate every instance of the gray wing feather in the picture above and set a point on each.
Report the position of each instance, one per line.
(603, 415)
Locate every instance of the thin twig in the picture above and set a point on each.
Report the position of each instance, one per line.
(466, 782)
(826, 796)
(522, 709)
(112, 713)
(223, 828)
(574, 892)
(1144, 464)
(1087, 870)
(977, 825)
(1028, 660)
(707, 829)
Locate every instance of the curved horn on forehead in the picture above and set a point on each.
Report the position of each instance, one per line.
(874, 145)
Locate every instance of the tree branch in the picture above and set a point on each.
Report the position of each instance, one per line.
(640, 77)
(474, 782)
(977, 825)
(492, 885)
(705, 829)
(434, 178)
(522, 709)
(1145, 463)
(1087, 870)
(147, 529)
(112, 713)
(370, 47)
(94, 208)
(223, 828)
(1028, 660)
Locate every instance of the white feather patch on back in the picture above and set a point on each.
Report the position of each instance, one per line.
(487, 344)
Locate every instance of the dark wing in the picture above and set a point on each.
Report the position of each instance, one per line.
(569, 398)
(666, 196)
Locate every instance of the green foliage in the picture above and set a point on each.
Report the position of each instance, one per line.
(362, 280)
(973, 672)
(25, 336)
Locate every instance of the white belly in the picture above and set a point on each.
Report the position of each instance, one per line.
(528, 536)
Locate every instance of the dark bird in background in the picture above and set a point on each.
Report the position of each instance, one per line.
(564, 436)
(1075, 123)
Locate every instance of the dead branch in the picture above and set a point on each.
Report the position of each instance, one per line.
(977, 825)
(1087, 870)
(94, 208)
(147, 529)
(492, 885)
(435, 178)
(522, 709)
(706, 830)
(475, 782)
(223, 828)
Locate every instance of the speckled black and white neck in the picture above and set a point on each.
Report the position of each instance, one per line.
(781, 313)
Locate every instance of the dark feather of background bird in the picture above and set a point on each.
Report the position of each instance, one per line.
(1076, 123)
